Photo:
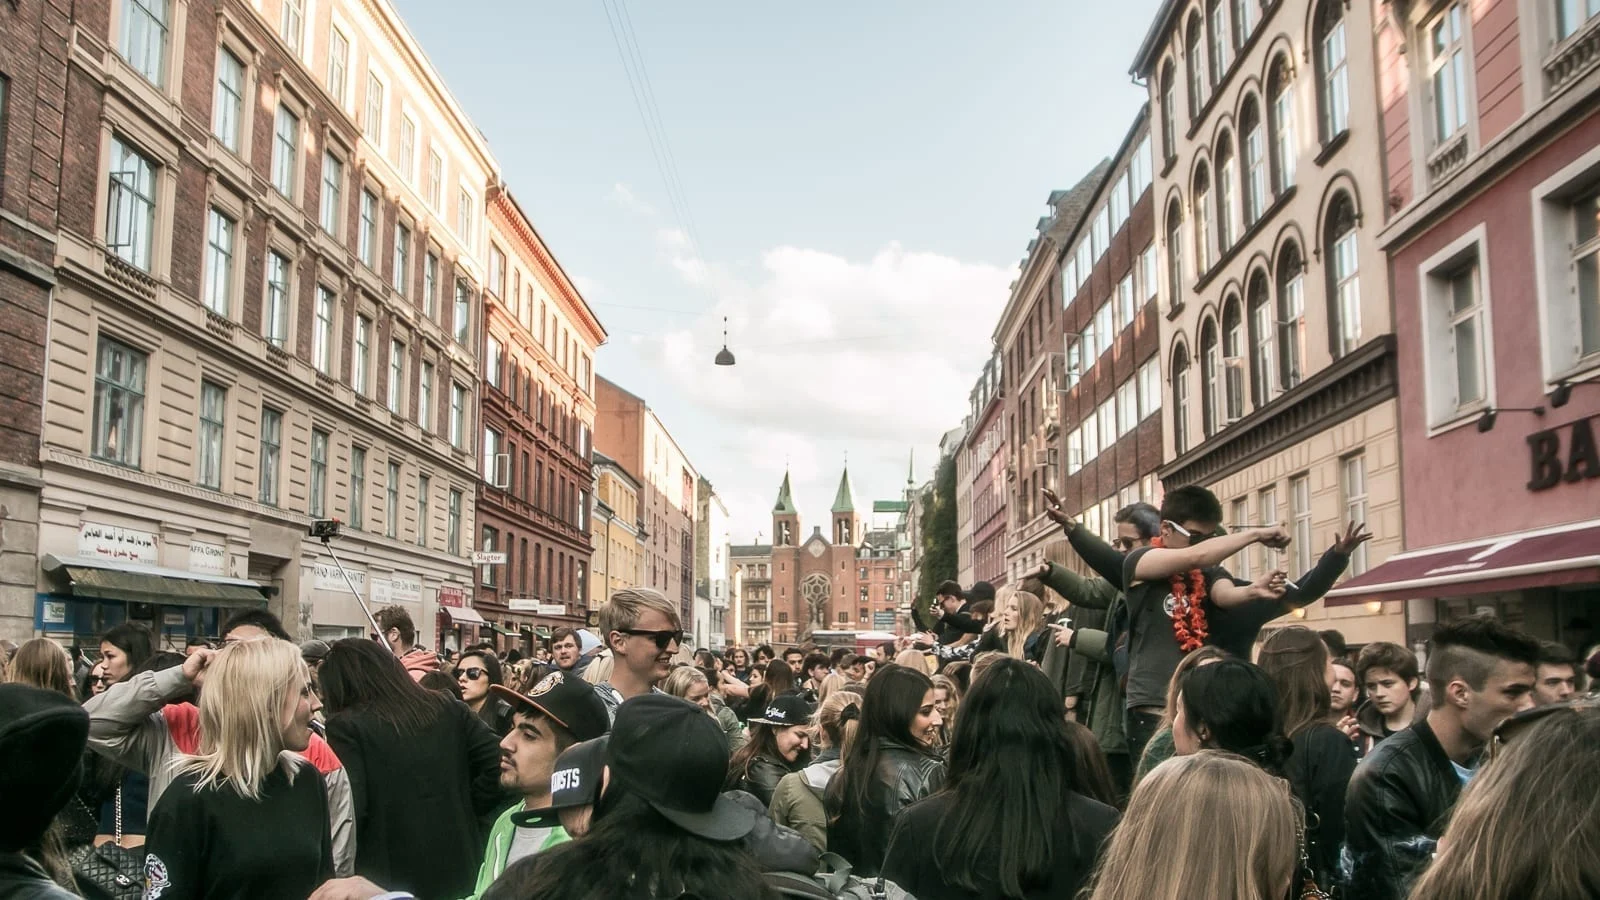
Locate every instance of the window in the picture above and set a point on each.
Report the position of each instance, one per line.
(1571, 14)
(317, 504)
(1140, 171)
(1204, 248)
(462, 319)
(492, 362)
(1300, 511)
(144, 38)
(213, 414)
(1150, 388)
(1263, 330)
(1334, 90)
(285, 150)
(1210, 379)
(435, 180)
(1355, 504)
(464, 205)
(277, 305)
(1175, 253)
(408, 150)
(402, 259)
(1233, 361)
(497, 271)
(1180, 399)
(453, 527)
(227, 107)
(1194, 52)
(367, 240)
(1344, 289)
(1127, 406)
(1447, 74)
(397, 375)
(322, 332)
(1104, 329)
(1255, 163)
(424, 486)
(1107, 415)
(1243, 21)
(1100, 234)
(1280, 126)
(1169, 113)
(332, 201)
(1456, 374)
(338, 66)
(425, 411)
(1126, 308)
(1075, 458)
(1074, 366)
(375, 110)
(1091, 436)
(491, 454)
(130, 205)
(458, 415)
(1239, 514)
(1267, 514)
(487, 543)
(1149, 272)
(391, 502)
(1291, 316)
(1117, 204)
(293, 24)
(1227, 179)
(271, 453)
(359, 366)
(219, 262)
(1586, 265)
(1221, 42)
(430, 285)
(358, 487)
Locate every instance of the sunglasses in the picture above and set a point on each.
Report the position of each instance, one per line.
(100, 679)
(1510, 728)
(1123, 544)
(663, 639)
(471, 673)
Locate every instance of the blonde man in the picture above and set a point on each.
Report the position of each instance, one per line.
(643, 631)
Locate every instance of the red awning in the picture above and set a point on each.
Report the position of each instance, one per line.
(1546, 557)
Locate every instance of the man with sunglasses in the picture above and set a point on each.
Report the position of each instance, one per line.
(1480, 673)
(642, 629)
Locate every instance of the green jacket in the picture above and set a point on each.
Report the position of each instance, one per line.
(1090, 674)
(797, 802)
(496, 855)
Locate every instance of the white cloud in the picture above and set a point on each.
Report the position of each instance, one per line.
(622, 195)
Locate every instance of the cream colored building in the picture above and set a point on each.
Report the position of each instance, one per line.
(267, 314)
(1277, 345)
(619, 533)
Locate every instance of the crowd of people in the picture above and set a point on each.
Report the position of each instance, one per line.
(1136, 733)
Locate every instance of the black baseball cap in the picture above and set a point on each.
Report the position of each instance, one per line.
(672, 755)
(564, 699)
(575, 780)
(788, 708)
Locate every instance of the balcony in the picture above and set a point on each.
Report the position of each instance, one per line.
(1573, 56)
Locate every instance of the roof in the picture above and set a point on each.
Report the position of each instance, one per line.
(750, 550)
(1150, 47)
(785, 504)
(890, 506)
(842, 501)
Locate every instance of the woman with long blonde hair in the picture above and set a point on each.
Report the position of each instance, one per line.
(1021, 632)
(245, 816)
(912, 659)
(947, 700)
(42, 663)
(1211, 824)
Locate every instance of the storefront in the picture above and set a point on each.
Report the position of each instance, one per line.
(87, 595)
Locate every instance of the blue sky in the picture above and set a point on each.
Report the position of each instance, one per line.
(860, 178)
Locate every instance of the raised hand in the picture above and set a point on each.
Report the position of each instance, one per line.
(1054, 510)
(1270, 586)
(1064, 634)
(1276, 537)
(1354, 536)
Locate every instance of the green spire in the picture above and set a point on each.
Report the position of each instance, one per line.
(785, 505)
(842, 501)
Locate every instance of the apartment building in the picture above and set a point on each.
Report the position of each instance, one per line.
(267, 313)
(619, 534)
(1491, 114)
(985, 448)
(752, 565)
(534, 496)
(711, 569)
(1269, 197)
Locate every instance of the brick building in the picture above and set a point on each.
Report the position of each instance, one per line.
(985, 448)
(537, 433)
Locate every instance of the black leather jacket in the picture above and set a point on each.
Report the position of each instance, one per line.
(1398, 804)
(905, 775)
(22, 879)
(762, 778)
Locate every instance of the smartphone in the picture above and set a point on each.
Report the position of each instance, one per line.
(1063, 622)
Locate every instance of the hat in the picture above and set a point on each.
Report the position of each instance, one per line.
(788, 708)
(575, 780)
(675, 757)
(981, 590)
(42, 738)
(587, 641)
(565, 699)
(314, 650)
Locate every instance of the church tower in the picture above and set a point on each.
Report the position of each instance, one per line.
(785, 518)
(846, 527)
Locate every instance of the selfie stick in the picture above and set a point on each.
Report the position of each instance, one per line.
(327, 542)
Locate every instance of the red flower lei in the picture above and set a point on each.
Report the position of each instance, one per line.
(1189, 627)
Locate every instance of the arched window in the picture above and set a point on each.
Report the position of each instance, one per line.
(1194, 51)
(1180, 399)
(1291, 315)
(1253, 146)
(1210, 378)
(1263, 339)
(1204, 248)
(1280, 125)
(1169, 112)
(1233, 360)
(1344, 288)
(1227, 191)
(1175, 252)
(1243, 21)
(1221, 40)
(1333, 75)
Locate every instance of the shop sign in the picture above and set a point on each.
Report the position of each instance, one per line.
(552, 609)
(1564, 453)
(117, 544)
(523, 604)
(451, 595)
(488, 557)
(55, 612)
(326, 577)
(208, 559)
(396, 589)
(174, 619)
(882, 620)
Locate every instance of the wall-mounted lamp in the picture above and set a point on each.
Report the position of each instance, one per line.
(1562, 392)
(1486, 421)
(1374, 606)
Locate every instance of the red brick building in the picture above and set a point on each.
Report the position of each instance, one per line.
(985, 447)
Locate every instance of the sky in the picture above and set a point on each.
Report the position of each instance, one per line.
(852, 185)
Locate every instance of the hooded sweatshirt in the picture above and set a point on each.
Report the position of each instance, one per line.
(419, 661)
(497, 856)
(797, 802)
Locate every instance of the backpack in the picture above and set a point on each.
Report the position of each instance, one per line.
(834, 882)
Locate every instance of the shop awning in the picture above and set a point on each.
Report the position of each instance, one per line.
(464, 615)
(103, 580)
(1546, 557)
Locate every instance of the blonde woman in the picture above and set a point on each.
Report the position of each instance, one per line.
(1211, 824)
(947, 700)
(42, 663)
(831, 685)
(797, 802)
(1021, 632)
(913, 659)
(246, 816)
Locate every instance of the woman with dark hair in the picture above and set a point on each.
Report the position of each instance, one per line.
(776, 678)
(739, 660)
(891, 765)
(1323, 759)
(1159, 749)
(1009, 821)
(1091, 772)
(1233, 706)
(780, 736)
(475, 672)
(122, 794)
(415, 759)
(124, 649)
